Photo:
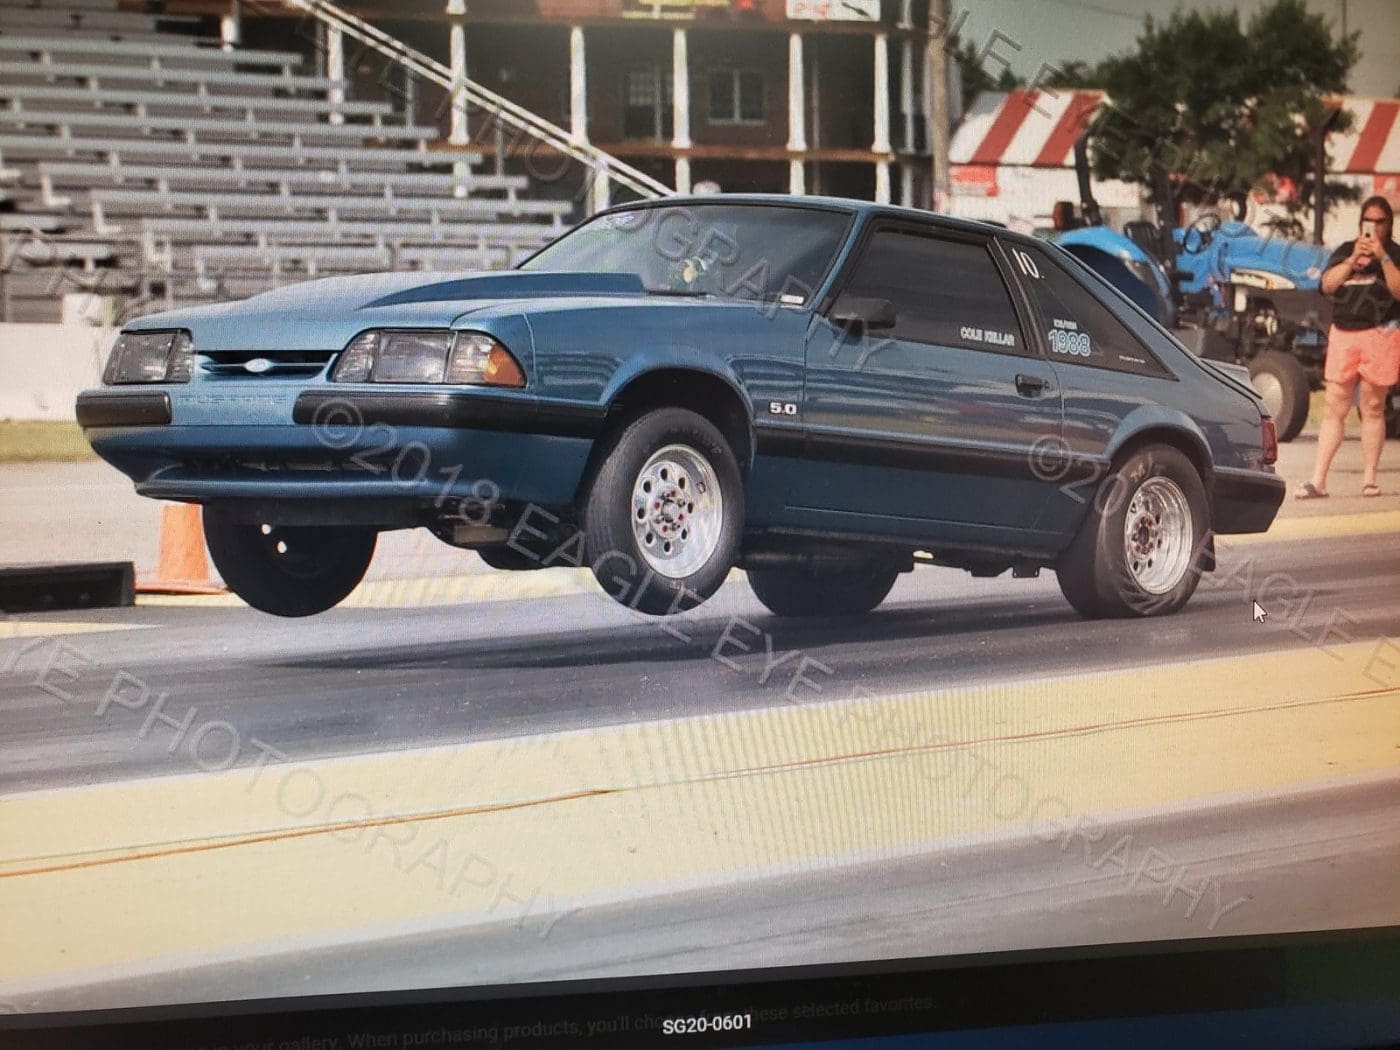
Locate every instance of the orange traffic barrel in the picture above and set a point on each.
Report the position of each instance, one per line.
(182, 566)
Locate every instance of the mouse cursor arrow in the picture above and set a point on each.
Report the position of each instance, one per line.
(1259, 613)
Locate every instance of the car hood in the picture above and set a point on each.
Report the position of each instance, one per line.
(326, 314)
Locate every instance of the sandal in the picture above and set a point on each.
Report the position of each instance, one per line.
(1311, 491)
(1370, 489)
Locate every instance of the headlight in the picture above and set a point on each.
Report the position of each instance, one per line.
(408, 356)
(150, 357)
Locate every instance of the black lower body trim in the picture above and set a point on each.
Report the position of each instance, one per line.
(449, 408)
(123, 409)
(910, 454)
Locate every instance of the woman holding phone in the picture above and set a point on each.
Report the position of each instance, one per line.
(1362, 280)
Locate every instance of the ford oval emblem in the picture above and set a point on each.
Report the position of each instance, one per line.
(258, 365)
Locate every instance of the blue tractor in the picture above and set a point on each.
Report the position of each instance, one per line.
(1228, 292)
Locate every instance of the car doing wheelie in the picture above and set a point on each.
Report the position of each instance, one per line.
(822, 392)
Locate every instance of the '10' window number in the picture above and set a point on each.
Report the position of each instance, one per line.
(1026, 263)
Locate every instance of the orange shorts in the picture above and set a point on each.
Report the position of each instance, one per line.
(1371, 353)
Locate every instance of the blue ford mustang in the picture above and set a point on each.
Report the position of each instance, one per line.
(823, 392)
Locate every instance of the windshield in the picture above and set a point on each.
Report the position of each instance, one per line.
(737, 251)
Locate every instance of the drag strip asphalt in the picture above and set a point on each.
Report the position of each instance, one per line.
(358, 681)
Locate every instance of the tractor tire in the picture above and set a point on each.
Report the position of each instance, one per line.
(1283, 384)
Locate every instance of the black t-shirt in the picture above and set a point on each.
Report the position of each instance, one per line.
(1364, 301)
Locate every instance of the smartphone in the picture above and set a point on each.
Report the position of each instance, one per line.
(1368, 228)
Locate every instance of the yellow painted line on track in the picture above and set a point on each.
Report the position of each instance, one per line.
(1361, 523)
(418, 591)
(425, 590)
(44, 628)
(115, 876)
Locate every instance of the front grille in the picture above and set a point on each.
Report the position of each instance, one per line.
(271, 364)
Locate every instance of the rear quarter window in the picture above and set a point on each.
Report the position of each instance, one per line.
(1079, 329)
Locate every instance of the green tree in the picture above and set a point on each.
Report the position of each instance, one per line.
(1073, 74)
(972, 70)
(1225, 108)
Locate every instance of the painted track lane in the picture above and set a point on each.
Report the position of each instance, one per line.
(560, 756)
(361, 681)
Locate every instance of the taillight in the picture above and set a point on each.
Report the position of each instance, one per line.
(1269, 436)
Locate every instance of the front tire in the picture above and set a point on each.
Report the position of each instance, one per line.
(665, 512)
(287, 570)
(1139, 550)
(803, 592)
(1283, 384)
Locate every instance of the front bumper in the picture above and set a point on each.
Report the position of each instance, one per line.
(1245, 500)
(393, 449)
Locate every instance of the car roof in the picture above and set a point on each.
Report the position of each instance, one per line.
(847, 204)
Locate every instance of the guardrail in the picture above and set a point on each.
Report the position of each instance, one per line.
(500, 107)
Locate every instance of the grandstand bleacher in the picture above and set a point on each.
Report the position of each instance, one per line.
(144, 159)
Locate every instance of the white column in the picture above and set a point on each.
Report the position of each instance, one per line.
(335, 70)
(231, 27)
(906, 92)
(882, 117)
(459, 130)
(459, 133)
(680, 106)
(797, 177)
(602, 189)
(797, 120)
(578, 87)
(680, 91)
(882, 94)
(906, 184)
(410, 96)
(797, 126)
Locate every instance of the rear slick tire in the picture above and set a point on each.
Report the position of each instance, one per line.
(1141, 547)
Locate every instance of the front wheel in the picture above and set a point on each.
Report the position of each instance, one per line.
(665, 512)
(803, 592)
(1139, 549)
(287, 570)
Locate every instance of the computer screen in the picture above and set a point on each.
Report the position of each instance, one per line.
(507, 493)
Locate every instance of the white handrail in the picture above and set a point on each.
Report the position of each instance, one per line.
(500, 107)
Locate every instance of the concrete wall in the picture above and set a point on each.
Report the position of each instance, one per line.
(43, 366)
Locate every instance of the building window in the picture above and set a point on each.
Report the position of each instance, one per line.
(737, 96)
(647, 112)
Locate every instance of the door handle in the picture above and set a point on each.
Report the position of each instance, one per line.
(1028, 385)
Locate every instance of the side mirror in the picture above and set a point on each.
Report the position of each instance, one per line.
(855, 312)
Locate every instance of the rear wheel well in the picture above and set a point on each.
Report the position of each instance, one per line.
(1183, 443)
(700, 392)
